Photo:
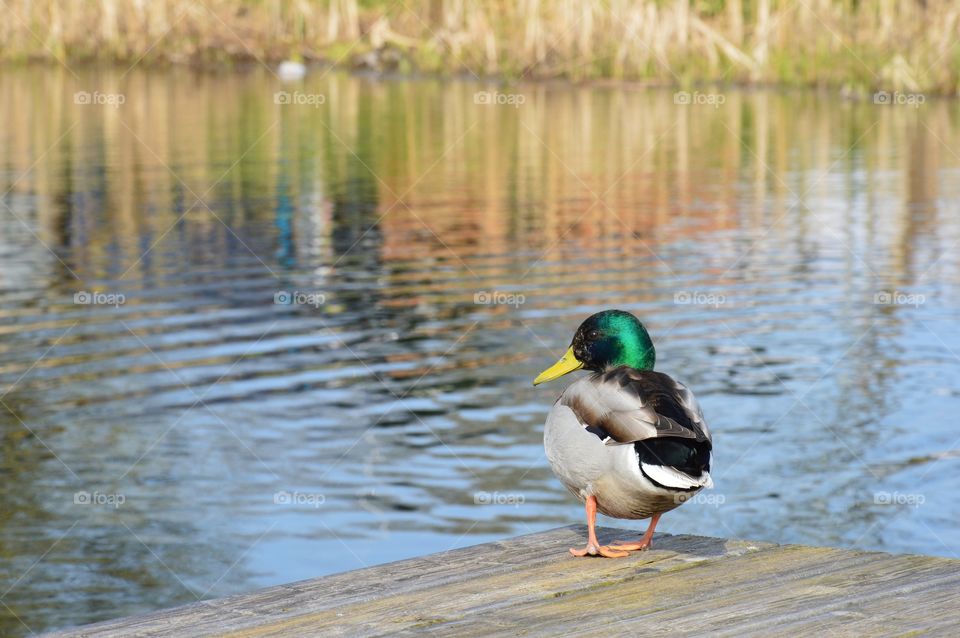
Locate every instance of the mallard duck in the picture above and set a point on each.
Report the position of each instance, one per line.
(627, 441)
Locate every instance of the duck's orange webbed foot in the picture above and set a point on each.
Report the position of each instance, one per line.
(599, 550)
(638, 546)
(594, 548)
(643, 544)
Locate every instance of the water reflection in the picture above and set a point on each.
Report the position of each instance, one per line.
(393, 407)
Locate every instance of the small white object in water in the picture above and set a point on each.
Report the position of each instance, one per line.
(290, 70)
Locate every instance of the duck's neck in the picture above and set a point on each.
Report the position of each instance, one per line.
(636, 348)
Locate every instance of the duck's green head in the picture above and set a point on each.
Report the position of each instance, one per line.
(605, 340)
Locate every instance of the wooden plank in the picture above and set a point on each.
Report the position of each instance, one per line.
(530, 585)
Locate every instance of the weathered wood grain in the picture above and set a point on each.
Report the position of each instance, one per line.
(530, 585)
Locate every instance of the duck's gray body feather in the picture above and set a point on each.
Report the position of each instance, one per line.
(590, 434)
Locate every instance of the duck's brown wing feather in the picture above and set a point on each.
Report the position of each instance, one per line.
(626, 405)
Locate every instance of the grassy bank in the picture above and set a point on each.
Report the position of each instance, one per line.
(891, 44)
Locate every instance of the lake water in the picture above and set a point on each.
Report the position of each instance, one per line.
(169, 432)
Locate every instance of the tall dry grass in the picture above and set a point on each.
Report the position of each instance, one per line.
(906, 45)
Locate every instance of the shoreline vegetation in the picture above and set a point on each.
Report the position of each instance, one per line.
(854, 46)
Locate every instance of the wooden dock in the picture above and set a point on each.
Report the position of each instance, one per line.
(530, 585)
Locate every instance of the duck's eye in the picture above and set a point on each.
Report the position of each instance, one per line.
(593, 335)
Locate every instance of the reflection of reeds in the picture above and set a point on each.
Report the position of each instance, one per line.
(908, 45)
(573, 171)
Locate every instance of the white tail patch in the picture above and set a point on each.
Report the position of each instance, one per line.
(672, 477)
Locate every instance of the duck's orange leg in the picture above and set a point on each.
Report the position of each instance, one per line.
(643, 543)
(594, 548)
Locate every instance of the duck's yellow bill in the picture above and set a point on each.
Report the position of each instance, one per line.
(567, 363)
